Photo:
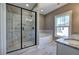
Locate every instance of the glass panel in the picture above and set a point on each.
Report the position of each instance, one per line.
(62, 20)
(66, 20)
(58, 21)
(13, 28)
(62, 31)
(28, 28)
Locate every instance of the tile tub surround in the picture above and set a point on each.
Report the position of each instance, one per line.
(75, 36)
(47, 34)
(45, 38)
(46, 31)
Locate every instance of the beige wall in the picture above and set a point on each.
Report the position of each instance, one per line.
(41, 22)
(49, 23)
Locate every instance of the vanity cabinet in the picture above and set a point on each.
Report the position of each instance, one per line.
(66, 50)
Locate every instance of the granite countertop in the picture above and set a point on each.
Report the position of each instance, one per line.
(69, 42)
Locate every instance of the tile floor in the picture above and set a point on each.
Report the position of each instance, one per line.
(48, 49)
(44, 48)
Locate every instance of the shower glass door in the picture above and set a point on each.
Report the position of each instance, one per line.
(20, 28)
(13, 28)
(28, 28)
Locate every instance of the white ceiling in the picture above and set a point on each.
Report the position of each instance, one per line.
(48, 7)
(23, 5)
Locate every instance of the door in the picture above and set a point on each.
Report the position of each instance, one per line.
(20, 28)
(13, 28)
(28, 28)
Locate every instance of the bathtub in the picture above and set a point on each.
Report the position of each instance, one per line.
(45, 38)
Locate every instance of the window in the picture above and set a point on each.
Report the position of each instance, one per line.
(62, 24)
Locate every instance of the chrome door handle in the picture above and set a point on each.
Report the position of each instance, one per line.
(32, 27)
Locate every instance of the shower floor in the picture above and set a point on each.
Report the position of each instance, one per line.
(18, 46)
(28, 43)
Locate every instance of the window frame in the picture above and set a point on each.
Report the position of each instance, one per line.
(70, 22)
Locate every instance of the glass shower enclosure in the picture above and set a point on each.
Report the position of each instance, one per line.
(20, 28)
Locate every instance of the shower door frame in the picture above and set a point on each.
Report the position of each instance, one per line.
(21, 27)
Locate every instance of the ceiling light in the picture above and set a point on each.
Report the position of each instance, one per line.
(27, 5)
(42, 10)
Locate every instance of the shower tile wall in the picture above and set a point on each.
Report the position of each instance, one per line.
(13, 28)
(28, 34)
